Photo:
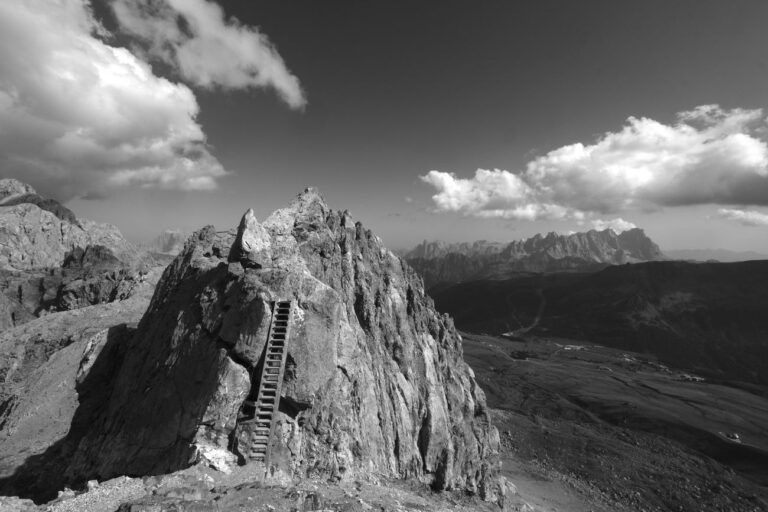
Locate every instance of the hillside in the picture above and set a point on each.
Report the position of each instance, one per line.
(721, 255)
(581, 422)
(707, 317)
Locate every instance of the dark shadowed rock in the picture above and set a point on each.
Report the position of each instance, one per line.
(376, 383)
(92, 257)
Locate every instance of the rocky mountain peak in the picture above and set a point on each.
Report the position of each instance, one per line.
(374, 384)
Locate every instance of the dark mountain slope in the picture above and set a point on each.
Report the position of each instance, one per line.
(709, 317)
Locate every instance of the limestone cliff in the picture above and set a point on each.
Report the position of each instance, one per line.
(36, 232)
(375, 384)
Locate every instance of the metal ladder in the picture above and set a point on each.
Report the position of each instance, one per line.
(263, 409)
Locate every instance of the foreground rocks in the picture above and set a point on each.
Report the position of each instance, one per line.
(202, 489)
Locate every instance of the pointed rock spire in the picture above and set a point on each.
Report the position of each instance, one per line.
(252, 247)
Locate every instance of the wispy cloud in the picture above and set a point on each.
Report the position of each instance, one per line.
(79, 117)
(208, 50)
(745, 217)
(709, 155)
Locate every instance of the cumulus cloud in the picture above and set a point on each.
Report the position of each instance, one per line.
(745, 217)
(206, 49)
(710, 155)
(78, 116)
(618, 225)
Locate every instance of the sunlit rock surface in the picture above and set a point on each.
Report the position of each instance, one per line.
(375, 382)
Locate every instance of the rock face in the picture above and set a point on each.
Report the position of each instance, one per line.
(375, 382)
(439, 262)
(89, 276)
(36, 232)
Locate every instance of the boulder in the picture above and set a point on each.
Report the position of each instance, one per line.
(375, 382)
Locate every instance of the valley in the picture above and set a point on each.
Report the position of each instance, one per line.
(620, 431)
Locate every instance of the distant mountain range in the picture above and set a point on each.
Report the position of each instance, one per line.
(439, 262)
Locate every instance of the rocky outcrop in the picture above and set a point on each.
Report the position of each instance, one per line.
(375, 383)
(593, 250)
(36, 232)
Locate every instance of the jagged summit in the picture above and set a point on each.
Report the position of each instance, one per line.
(441, 262)
(374, 380)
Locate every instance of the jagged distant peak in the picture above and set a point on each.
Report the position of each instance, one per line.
(537, 242)
(551, 252)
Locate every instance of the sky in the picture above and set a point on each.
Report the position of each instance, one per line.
(429, 120)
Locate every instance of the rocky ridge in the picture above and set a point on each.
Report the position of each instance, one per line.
(375, 385)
